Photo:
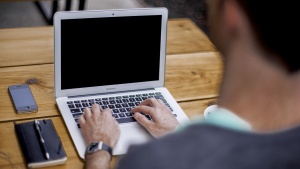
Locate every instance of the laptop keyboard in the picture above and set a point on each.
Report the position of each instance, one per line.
(120, 105)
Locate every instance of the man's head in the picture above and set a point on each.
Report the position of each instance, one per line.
(271, 24)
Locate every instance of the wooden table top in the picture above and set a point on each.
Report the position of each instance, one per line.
(193, 75)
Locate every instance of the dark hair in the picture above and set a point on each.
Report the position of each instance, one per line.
(275, 25)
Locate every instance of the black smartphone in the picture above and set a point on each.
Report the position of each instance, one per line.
(22, 98)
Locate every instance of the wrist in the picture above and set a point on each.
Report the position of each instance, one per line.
(98, 159)
(95, 146)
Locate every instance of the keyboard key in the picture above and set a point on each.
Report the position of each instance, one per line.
(125, 105)
(138, 99)
(69, 102)
(71, 106)
(115, 116)
(128, 114)
(91, 100)
(122, 115)
(75, 110)
(77, 115)
(131, 104)
(115, 111)
(119, 101)
(126, 120)
(158, 97)
(78, 105)
(125, 100)
(112, 102)
(104, 107)
(100, 103)
(85, 105)
(105, 102)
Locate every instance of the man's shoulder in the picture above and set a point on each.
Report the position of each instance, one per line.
(203, 145)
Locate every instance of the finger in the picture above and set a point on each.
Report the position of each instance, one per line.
(87, 112)
(161, 102)
(96, 108)
(163, 105)
(107, 111)
(108, 114)
(143, 109)
(150, 102)
(81, 120)
(144, 121)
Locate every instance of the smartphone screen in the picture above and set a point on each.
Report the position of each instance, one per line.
(22, 98)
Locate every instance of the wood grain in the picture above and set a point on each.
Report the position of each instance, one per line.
(194, 109)
(194, 76)
(185, 37)
(27, 46)
(42, 88)
(188, 77)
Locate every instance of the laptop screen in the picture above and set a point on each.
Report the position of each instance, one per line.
(108, 51)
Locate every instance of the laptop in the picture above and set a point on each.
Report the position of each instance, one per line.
(114, 58)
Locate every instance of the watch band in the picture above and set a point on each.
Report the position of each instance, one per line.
(96, 146)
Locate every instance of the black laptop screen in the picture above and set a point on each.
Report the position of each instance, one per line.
(108, 51)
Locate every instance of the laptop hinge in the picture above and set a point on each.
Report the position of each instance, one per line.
(119, 92)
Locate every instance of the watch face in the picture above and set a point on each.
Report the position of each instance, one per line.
(93, 147)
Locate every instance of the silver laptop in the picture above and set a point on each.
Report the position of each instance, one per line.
(114, 58)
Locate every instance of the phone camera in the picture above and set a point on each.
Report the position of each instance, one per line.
(113, 14)
(27, 107)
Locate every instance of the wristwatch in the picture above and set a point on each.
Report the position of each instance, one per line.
(96, 146)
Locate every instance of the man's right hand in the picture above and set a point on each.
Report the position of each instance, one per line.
(163, 120)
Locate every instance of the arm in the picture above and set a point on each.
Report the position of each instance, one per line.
(99, 125)
(163, 120)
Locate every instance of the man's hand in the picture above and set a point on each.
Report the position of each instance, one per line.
(163, 120)
(99, 125)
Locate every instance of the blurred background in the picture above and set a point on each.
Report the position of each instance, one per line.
(26, 13)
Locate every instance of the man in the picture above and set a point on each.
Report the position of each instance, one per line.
(261, 84)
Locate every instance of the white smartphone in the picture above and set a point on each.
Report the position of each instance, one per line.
(22, 98)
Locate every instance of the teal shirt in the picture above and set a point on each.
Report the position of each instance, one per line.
(221, 117)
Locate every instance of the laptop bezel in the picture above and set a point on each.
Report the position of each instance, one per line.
(107, 13)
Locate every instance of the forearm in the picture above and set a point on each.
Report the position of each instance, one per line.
(100, 159)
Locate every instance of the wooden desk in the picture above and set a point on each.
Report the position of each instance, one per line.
(193, 75)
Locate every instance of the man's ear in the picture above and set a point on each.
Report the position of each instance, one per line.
(232, 17)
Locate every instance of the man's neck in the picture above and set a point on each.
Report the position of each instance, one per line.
(260, 91)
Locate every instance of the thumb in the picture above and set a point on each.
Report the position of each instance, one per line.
(143, 120)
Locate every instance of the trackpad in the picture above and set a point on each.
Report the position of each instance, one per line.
(131, 134)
